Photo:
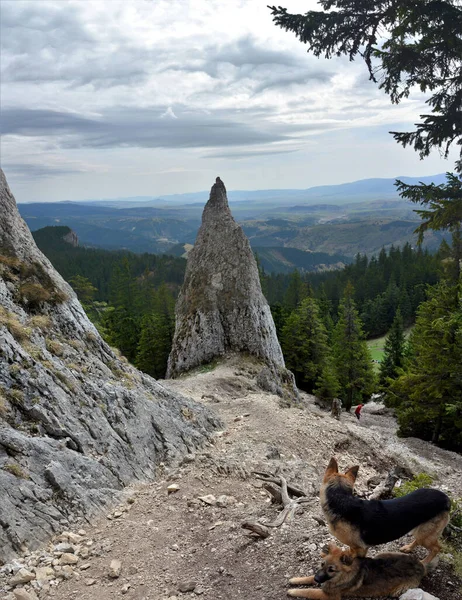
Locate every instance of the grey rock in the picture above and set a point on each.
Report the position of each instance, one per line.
(221, 309)
(417, 594)
(22, 576)
(115, 568)
(22, 594)
(187, 586)
(78, 423)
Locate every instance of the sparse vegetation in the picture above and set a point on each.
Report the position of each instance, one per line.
(54, 347)
(15, 470)
(19, 331)
(3, 404)
(42, 322)
(16, 397)
(421, 480)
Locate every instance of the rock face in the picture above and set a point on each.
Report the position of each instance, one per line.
(77, 422)
(221, 308)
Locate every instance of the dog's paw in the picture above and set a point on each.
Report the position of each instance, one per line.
(407, 548)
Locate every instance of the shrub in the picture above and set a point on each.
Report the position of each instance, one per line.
(421, 480)
(33, 294)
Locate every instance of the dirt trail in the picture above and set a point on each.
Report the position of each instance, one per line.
(172, 542)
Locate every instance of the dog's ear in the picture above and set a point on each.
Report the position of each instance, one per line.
(346, 559)
(325, 550)
(352, 473)
(332, 467)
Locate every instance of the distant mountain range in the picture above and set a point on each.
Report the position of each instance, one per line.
(342, 220)
(370, 189)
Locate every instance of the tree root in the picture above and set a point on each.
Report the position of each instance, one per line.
(279, 495)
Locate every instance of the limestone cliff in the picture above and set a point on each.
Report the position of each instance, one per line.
(77, 422)
(221, 308)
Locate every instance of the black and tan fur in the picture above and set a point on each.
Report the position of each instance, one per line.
(362, 523)
(342, 574)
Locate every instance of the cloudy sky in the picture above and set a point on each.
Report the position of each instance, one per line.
(109, 98)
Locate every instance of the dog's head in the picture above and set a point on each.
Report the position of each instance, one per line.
(336, 564)
(331, 474)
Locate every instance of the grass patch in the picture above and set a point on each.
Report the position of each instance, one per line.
(54, 347)
(3, 404)
(15, 470)
(42, 322)
(19, 331)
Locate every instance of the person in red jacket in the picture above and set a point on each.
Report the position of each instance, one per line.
(358, 411)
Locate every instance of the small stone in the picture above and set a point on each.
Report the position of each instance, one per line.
(85, 566)
(239, 418)
(117, 514)
(64, 547)
(67, 572)
(22, 576)
(199, 590)
(224, 501)
(125, 588)
(82, 532)
(90, 581)
(187, 586)
(74, 538)
(208, 499)
(84, 553)
(175, 547)
(43, 574)
(115, 568)
(173, 487)
(189, 458)
(21, 594)
(68, 559)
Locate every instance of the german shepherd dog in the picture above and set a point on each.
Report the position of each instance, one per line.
(342, 574)
(362, 523)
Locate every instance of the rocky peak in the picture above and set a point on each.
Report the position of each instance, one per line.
(221, 309)
(77, 422)
(71, 238)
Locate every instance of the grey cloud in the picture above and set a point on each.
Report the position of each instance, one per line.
(248, 154)
(28, 171)
(47, 43)
(123, 127)
(298, 77)
(245, 51)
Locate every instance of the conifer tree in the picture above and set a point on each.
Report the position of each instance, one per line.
(304, 344)
(154, 345)
(327, 384)
(394, 351)
(428, 395)
(351, 354)
(296, 292)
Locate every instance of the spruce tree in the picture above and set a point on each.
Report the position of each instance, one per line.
(428, 395)
(394, 351)
(327, 384)
(351, 355)
(304, 344)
